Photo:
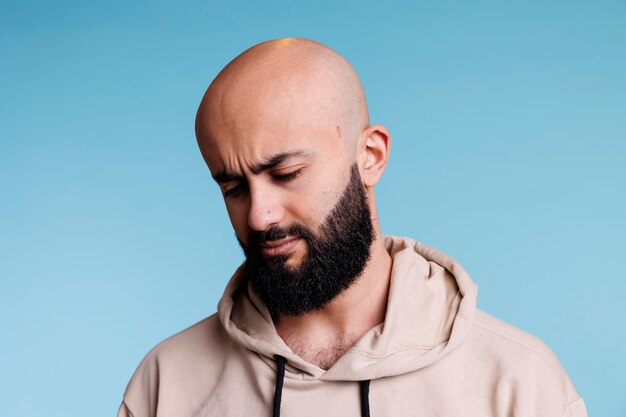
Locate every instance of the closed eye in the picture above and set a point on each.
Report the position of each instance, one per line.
(233, 191)
(288, 176)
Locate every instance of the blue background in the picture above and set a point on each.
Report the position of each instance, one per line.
(508, 127)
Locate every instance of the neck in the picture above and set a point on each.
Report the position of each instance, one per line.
(345, 319)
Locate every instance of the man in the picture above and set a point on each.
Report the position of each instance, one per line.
(328, 317)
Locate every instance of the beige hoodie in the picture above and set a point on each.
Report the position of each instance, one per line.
(436, 354)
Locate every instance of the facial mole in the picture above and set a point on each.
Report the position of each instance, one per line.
(338, 131)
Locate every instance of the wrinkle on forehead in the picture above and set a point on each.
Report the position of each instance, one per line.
(283, 87)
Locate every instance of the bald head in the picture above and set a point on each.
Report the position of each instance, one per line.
(284, 130)
(283, 86)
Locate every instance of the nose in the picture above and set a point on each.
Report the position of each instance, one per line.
(266, 208)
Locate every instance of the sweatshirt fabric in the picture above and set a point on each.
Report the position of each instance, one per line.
(436, 354)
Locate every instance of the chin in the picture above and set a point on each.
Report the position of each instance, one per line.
(295, 259)
(292, 266)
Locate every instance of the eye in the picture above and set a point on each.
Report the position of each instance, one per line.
(233, 191)
(288, 176)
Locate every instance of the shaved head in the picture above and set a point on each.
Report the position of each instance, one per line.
(285, 132)
(283, 85)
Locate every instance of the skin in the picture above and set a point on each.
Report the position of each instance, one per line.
(301, 101)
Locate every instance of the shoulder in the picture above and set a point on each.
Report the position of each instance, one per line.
(517, 341)
(191, 342)
(189, 346)
(520, 357)
(194, 354)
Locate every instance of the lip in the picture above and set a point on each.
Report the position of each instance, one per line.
(278, 247)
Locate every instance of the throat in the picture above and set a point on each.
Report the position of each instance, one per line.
(323, 356)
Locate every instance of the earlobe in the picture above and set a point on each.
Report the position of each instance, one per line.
(375, 149)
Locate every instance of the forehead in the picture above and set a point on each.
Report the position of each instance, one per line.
(238, 142)
(254, 113)
(248, 153)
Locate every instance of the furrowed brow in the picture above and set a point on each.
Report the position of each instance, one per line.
(275, 160)
(271, 162)
(223, 177)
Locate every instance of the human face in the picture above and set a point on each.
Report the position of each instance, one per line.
(337, 255)
(279, 177)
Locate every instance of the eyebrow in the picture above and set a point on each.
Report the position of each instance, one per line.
(269, 163)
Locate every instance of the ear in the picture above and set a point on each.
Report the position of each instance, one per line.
(373, 153)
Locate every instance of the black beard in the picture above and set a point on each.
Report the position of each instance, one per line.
(335, 259)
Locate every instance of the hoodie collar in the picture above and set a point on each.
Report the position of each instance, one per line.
(430, 310)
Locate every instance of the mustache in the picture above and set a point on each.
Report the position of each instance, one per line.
(257, 238)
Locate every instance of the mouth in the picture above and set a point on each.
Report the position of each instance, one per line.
(279, 247)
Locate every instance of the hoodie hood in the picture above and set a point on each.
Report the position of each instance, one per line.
(430, 311)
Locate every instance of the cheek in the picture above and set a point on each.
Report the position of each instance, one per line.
(313, 202)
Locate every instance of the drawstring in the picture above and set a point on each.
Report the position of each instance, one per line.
(364, 388)
(365, 400)
(280, 377)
